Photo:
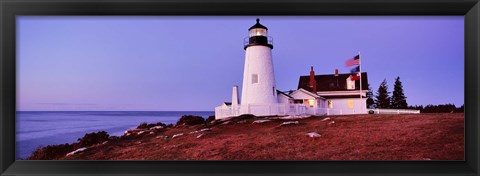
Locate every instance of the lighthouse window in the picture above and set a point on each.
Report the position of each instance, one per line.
(254, 78)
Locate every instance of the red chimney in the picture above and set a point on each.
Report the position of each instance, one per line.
(336, 72)
(313, 83)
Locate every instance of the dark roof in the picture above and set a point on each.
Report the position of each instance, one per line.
(332, 82)
(283, 93)
(228, 103)
(258, 25)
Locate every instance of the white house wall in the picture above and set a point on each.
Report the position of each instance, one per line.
(341, 105)
(282, 99)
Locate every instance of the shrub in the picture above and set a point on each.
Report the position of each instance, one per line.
(210, 119)
(93, 138)
(145, 125)
(191, 120)
(51, 152)
(245, 117)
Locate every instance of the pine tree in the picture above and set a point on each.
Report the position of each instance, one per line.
(399, 101)
(370, 100)
(382, 98)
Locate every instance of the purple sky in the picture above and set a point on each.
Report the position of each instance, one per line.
(191, 63)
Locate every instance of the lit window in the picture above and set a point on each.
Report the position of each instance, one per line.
(330, 104)
(311, 102)
(350, 104)
(254, 78)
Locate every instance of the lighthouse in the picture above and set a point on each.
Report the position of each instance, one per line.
(258, 86)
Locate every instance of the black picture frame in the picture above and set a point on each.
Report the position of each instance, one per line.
(9, 9)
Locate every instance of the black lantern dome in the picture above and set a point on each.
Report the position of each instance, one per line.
(257, 35)
(258, 25)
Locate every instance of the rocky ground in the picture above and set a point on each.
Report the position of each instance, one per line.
(348, 137)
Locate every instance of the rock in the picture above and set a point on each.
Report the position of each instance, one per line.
(156, 127)
(162, 137)
(202, 130)
(313, 134)
(242, 121)
(205, 129)
(77, 151)
(177, 135)
(325, 119)
(289, 123)
(261, 121)
(293, 117)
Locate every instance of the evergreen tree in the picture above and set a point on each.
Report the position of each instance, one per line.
(382, 98)
(370, 100)
(399, 101)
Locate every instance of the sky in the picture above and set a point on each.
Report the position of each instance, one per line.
(190, 63)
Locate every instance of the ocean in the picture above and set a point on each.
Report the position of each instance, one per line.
(41, 128)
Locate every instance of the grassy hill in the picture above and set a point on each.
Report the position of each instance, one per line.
(347, 137)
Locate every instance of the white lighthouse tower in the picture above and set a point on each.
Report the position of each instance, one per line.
(258, 77)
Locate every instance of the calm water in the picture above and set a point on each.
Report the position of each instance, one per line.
(36, 129)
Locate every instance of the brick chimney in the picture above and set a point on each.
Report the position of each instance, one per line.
(313, 83)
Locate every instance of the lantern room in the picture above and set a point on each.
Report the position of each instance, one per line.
(257, 30)
(258, 35)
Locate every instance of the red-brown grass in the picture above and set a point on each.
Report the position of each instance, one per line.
(351, 137)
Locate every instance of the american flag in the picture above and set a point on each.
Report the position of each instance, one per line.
(353, 61)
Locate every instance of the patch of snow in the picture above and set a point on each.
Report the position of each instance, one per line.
(152, 132)
(193, 132)
(77, 151)
(177, 135)
(261, 121)
(313, 134)
(199, 136)
(289, 123)
(105, 142)
(325, 119)
(427, 159)
(141, 132)
(332, 122)
(156, 127)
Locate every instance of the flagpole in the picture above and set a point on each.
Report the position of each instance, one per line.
(360, 69)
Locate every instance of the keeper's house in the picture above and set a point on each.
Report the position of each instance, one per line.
(331, 93)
